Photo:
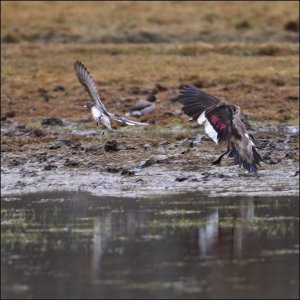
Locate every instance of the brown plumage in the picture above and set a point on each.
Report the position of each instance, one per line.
(224, 122)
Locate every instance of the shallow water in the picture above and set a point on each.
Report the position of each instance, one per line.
(75, 245)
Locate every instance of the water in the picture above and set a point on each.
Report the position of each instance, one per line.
(74, 245)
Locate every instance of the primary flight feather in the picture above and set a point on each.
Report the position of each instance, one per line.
(98, 110)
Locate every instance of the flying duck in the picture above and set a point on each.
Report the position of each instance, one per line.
(99, 112)
(224, 122)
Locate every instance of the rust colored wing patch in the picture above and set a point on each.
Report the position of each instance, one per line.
(220, 119)
(217, 123)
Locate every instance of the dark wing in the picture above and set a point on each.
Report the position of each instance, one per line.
(220, 119)
(86, 80)
(243, 151)
(126, 121)
(195, 101)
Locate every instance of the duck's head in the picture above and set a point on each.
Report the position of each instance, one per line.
(89, 105)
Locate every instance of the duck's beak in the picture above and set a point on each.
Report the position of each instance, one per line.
(85, 106)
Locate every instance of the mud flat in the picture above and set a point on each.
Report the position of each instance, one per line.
(142, 162)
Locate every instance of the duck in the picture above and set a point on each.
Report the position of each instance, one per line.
(223, 123)
(97, 108)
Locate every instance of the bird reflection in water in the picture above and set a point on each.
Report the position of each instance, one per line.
(211, 238)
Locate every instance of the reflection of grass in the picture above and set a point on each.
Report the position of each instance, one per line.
(24, 231)
(275, 226)
(280, 252)
(174, 223)
(178, 212)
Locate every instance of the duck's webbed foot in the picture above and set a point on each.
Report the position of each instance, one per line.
(216, 162)
(97, 124)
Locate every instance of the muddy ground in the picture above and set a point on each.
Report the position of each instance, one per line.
(142, 161)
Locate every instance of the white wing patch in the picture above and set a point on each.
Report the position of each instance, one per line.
(201, 118)
(211, 132)
(208, 128)
(249, 138)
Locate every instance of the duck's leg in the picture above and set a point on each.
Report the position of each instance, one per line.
(216, 162)
(106, 131)
(97, 124)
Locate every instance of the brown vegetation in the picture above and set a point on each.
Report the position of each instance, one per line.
(38, 79)
(218, 48)
(148, 21)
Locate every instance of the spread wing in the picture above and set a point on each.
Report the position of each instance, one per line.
(219, 123)
(205, 107)
(195, 101)
(126, 121)
(87, 81)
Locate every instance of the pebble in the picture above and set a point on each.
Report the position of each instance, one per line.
(112, 146)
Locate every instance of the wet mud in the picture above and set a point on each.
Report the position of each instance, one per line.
(141, 161)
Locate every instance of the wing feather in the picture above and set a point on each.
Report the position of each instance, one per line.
(126, 121)
(196, 101)
(88, 83)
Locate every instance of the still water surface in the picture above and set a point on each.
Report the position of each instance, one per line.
(75, 245)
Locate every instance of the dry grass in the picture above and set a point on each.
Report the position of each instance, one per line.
(147, 21)
(261, 77)
(261, 84)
